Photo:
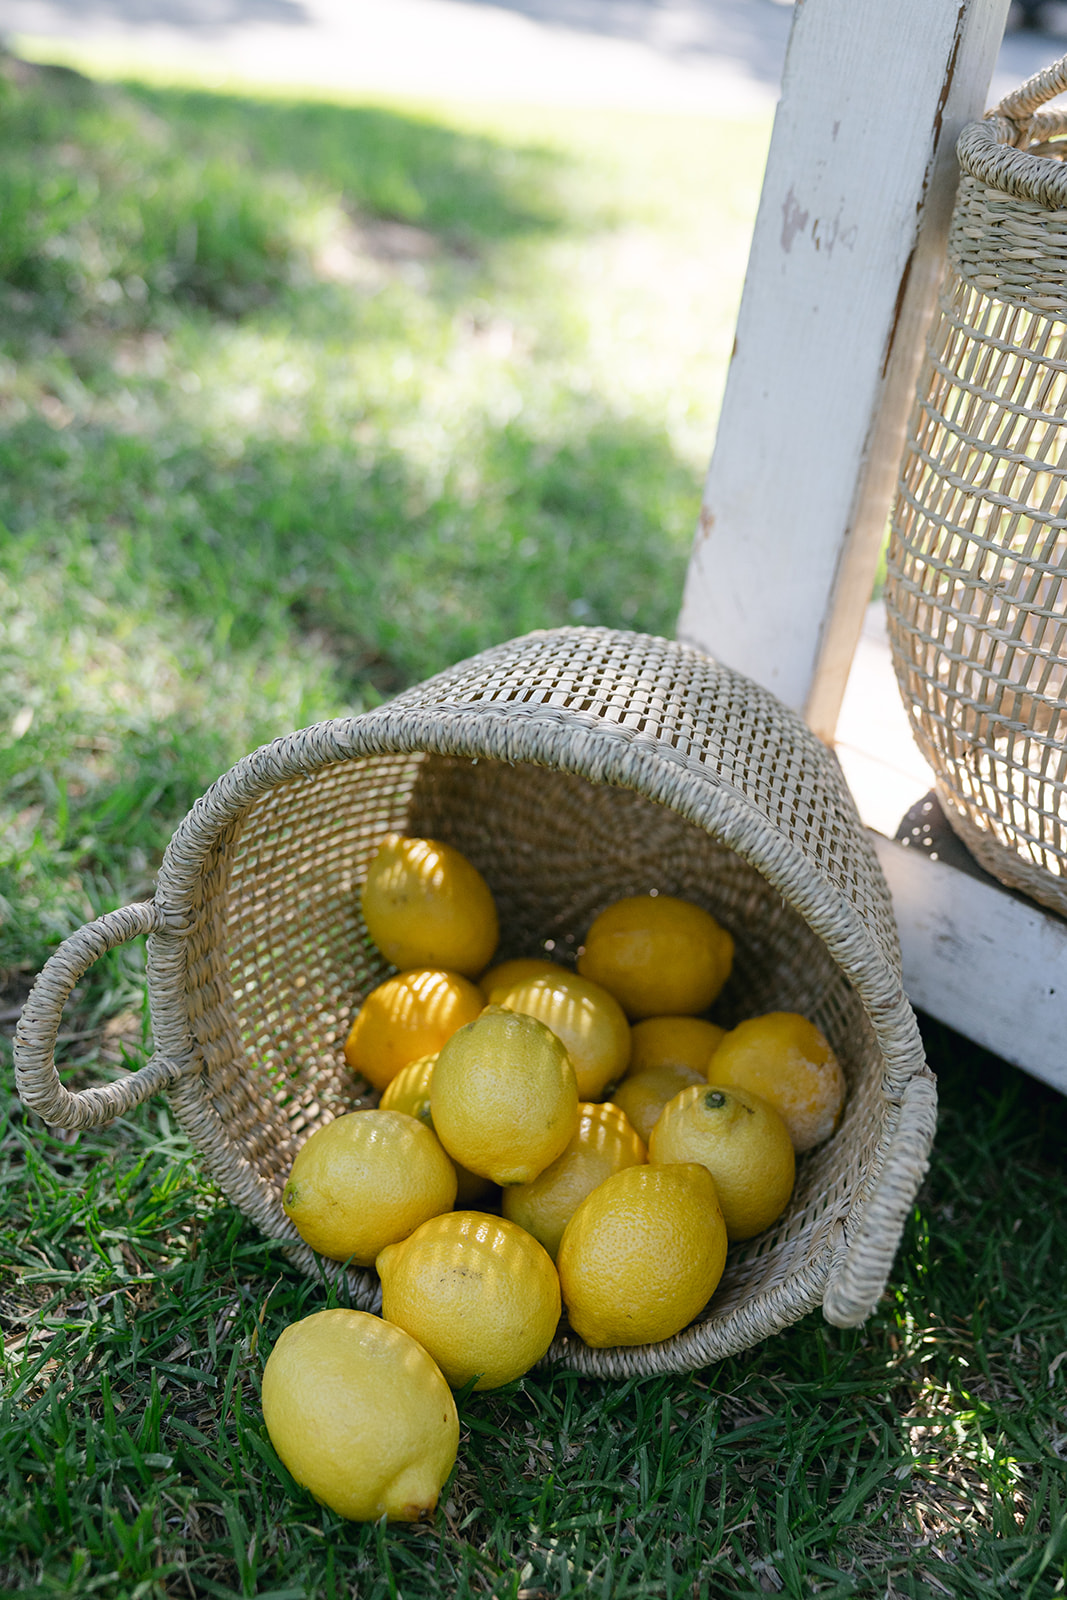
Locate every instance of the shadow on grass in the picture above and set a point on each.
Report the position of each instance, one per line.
(181, 580)
(116, 198)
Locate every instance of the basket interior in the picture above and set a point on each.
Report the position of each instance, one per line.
(280, 958)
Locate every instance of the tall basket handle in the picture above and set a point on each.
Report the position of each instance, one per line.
(1020, 105)
(36, 1077)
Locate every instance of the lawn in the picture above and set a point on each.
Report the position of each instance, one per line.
(299, 402)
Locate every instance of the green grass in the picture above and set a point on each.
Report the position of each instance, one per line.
(919, 1455)
(299, 402)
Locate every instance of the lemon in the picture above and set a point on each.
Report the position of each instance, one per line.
(586, 1018)
(406, 1018)
(506, 973)
(477, 1292)
(360, 1415)
(745, 1146)
(410, 1092)
(425, 905)
(658, 956)
(503, 1096)
(673, 1042)
(604, 1143)
(642, 1254)
(785, 1059)
(366, 1180)
(643, 1095)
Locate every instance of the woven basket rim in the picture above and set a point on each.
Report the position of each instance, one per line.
(993, 151)
(601, 753)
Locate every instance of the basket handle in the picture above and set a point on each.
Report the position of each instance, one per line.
(36, 1077)
(1019, 106)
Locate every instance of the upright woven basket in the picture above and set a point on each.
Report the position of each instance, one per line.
(572, 767)
(976, 591)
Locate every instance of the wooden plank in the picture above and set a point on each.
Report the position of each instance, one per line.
(981, 959)
(828, 336)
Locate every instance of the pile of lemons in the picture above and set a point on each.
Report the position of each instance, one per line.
(545, 1139)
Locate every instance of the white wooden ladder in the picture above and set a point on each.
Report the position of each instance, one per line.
(846, 258)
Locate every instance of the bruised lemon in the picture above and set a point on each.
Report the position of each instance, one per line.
(410, 1092)
(360, 1415)
(479, 1294)
(604, 1142)
(673, 1042)
(642, 1254)
(659, 956)
(589, 1021)
(426, 905)
(406, 1018)
(365, 1180)
(745, 1146)
(503, 1096)
(787, 1060)
(643, 1095)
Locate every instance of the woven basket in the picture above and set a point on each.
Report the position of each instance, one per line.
(572, 767)
(976, 592)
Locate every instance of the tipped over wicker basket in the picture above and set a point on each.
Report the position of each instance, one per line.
(976, 585)
(572, 767)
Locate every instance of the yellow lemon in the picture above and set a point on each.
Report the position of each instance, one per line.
(406, 1018)
(425, 905)
(360, 1415)
(504, 1097)
(643, 1095)
(366, 1180)
(673, 1042)
(745, 1146)
(658, 956)
(642, 1254)
(410, 1092)
(785, 1059)
(477, 1292)
(586, 1018)
(506, 973)
(604, 1143)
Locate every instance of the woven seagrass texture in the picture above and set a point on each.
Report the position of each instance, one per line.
(976, 589)
(572, 768)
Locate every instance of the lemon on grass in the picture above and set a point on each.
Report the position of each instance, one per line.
(673, 1042)
(426, 905)
(584, 1016)
(604, 1142)
(365, 1180)
(360, 1415)
(643, 1095)
(642, 1254)
(745, 1146)
(477, 1292)
(410, 1092)
(503, 1096)
(406, 1018)
(517, 970)
(787, 1060)
(659, 956)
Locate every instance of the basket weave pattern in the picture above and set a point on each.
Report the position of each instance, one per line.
(976, 589)
(572, 768)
